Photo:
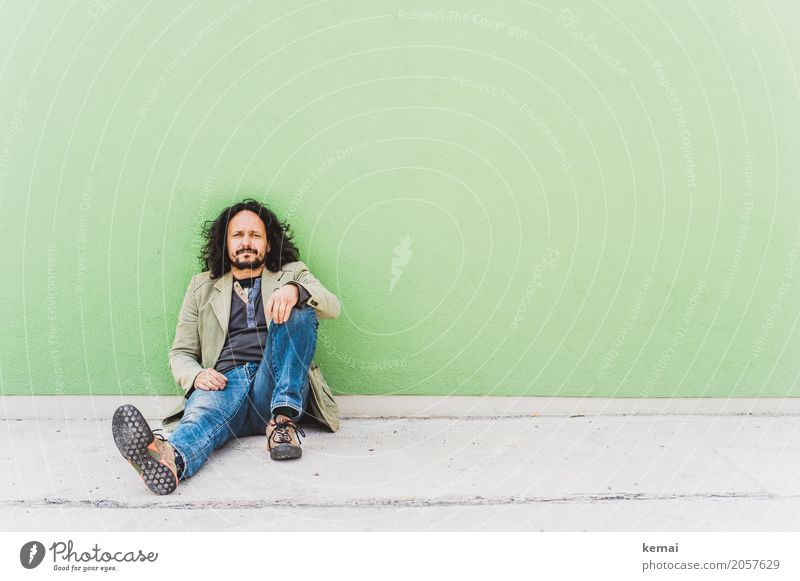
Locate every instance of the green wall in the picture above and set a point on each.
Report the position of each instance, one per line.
(513, 198)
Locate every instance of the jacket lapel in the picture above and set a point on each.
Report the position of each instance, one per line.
(221, 301)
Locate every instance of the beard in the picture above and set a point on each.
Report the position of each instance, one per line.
(242, 264)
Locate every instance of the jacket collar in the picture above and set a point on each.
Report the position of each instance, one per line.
(221, 301)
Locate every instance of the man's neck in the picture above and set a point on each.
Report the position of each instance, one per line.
(240, 273)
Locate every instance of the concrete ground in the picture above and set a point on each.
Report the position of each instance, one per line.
(425, 463)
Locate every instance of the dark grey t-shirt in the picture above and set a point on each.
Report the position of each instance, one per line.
(247, 340)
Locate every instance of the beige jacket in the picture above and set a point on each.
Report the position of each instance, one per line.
(203, 326)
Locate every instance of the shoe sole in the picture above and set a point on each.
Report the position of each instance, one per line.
(285, 452)
(132, 435)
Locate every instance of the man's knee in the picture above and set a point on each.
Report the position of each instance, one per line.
(301, 316)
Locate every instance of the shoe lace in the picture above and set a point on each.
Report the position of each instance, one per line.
(280, 434)
(159, 433)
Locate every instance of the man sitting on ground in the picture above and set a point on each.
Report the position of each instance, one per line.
(243, 351)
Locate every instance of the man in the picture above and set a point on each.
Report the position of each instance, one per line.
(243, 352)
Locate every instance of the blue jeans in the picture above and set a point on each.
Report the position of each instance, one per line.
(244, 408)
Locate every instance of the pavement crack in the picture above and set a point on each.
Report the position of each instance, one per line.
(245, 504)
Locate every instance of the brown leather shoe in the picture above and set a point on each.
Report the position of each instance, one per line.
(150, 454)
(283, 442)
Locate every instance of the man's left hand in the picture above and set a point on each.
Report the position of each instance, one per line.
(280, 303)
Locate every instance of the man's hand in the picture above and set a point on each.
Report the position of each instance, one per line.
(280, 303)
(210, 380)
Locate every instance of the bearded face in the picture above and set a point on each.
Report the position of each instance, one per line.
(247, 241)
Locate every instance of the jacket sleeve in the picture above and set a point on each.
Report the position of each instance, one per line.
(325, 302)
(185, 355)
(303, 293)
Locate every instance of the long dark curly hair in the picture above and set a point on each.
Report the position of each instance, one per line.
(214, 254)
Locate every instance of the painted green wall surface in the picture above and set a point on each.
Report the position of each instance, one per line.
(510, 198)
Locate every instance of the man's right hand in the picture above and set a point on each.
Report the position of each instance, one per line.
(210, 380)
